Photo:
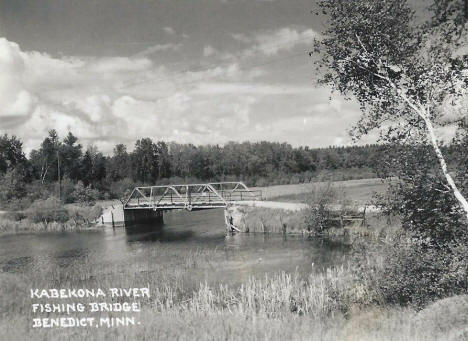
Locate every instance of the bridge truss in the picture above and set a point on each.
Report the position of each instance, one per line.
(190, 196)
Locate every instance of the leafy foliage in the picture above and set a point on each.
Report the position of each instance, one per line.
(47, 211)
(258, 164)
(408, 77)
(421, 198)
(416, 274)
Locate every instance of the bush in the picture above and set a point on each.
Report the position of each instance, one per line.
(320, 214)
(67, 188)
(430, 259)
(87, 215)
(421, 198)
(415, 274)
(47, 211)
(84, 195)
(15, 215)
(121, 189)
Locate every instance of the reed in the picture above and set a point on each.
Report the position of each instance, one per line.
(333, 304)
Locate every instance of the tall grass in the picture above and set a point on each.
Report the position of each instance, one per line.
(50, 216)
(25, 226)
(331, 305)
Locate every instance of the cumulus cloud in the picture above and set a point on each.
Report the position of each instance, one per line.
(109, 100)
(158, 48)
(271, 42)
(169, 30)
(220, 88)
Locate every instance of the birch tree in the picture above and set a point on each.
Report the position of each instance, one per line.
(407, 70)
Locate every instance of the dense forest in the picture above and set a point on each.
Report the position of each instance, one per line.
(89, 173)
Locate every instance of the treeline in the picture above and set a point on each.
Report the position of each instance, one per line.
(88, 172)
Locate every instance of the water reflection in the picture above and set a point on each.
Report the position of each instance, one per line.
(150, 233)
(182, 235)
(17, 264)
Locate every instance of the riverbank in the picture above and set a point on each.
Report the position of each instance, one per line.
(327, 304)
(26, 226)
(328, 209)
(50, 216)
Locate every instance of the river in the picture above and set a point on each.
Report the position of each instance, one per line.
(184, 235)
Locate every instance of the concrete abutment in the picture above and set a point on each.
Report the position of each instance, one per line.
(143, 216)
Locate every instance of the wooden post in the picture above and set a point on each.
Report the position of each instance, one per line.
(58, 175)
(364, 212)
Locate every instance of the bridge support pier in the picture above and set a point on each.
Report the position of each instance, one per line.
(142, 216)
(233, 218)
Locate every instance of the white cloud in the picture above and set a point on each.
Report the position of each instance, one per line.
(272, 42)
(118, 64)
(121, 99)
(158, 48)
(169, 30)
(209, 51)
(220, 88)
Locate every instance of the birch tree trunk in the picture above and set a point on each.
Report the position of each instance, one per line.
(421, 112)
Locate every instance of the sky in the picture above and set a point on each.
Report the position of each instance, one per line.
(189, 71)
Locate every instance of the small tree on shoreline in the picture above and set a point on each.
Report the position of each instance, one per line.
(408, 78)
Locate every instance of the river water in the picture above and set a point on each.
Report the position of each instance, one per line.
(184, 234)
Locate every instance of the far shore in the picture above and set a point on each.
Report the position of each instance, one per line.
(289, 197)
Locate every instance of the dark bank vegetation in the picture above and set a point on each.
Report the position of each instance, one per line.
(87, 175)
(50, 215)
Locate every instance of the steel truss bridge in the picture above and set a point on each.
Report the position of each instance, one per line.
(191, 196)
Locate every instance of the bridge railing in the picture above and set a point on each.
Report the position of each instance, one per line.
(190, 196)
(241, 195)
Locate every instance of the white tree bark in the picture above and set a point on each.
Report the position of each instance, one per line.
(421, 112)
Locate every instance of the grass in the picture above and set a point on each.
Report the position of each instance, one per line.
(25, 226)
(268, 220)
(49, 219)
(328, 199)
(333, 304)
(329, 305)
(361, 191)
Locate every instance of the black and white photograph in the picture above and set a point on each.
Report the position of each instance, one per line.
(234, 170)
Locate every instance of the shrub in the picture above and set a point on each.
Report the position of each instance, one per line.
(121, 189)
(416, 274)
(87, 215)
(430, 259)
(67, 187)
(427, 207)
(320, 213)
(47, 211)
(85, 195)
(15, 215)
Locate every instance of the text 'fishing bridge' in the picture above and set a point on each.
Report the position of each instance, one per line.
(148, 203)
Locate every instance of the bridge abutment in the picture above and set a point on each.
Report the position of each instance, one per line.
(143, 216)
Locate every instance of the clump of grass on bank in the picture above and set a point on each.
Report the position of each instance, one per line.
(26, 226)
(268, 220)
(50, 215)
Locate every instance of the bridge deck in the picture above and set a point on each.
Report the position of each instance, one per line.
(191, 196)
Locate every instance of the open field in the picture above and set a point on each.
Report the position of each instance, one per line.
(359, 191)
